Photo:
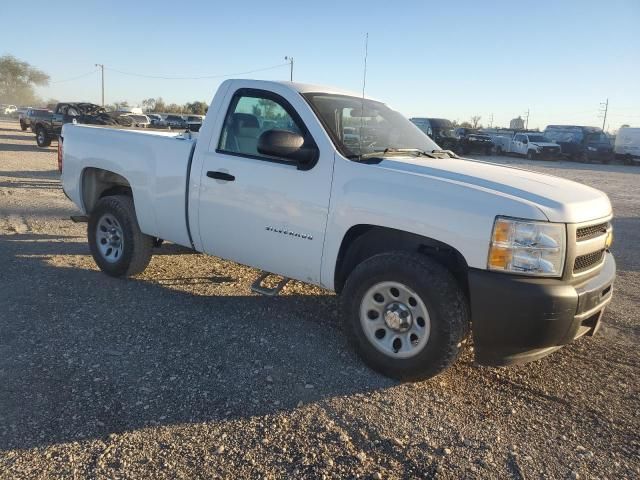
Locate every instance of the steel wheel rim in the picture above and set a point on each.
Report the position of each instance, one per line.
(40, 136)
(109, 238)
(395, 319)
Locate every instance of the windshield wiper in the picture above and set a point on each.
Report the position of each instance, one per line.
(398, 151)
(449, 153)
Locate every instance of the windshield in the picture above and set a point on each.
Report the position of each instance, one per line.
(444, 132)
(539, 138)
(597, 137)
(363, 127)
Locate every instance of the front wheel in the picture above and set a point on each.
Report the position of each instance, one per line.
(531, 155)
(405, 314)
(23, 127)
(117, 245)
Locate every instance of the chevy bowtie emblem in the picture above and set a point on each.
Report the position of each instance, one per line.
(284, 231)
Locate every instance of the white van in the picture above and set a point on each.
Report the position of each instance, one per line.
(627, 146)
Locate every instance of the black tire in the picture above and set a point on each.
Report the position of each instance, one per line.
(23, 127)
(487, 151)
(627, 159)
(42, 138)
(584, 158)
(136, 248)
(499, 151)
(531, 155)
(445, 303)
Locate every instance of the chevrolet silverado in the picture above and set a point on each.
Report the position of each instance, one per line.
(422, 246)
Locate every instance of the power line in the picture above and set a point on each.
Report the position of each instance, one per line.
(75, 78)
(162, 77)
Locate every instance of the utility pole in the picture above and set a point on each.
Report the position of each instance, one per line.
(491, 121)
(526, 122)
(102, 70)
(604, 108)
(290, 60)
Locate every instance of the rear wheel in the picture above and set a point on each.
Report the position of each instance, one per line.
(117, 245)
(23, 127)
(405, 315)
(42, 138)
(627, 159)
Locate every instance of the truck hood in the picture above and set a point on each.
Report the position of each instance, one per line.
(559, 200)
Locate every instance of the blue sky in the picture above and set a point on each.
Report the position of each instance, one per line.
(559, 59)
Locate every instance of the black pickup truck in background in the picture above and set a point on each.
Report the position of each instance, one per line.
(48, 125)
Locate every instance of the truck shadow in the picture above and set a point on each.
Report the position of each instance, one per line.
(83, 355)
(26, 147)
(34, 244)
(27, 136)
(32, 174)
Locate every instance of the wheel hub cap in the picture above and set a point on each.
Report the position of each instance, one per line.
(395, 319)
(398, 317)
(109, 238)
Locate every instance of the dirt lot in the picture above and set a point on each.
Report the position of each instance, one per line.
(184, 373)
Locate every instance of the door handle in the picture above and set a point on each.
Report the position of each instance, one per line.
(221, 176)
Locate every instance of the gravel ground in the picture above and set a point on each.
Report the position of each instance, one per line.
(183, 373)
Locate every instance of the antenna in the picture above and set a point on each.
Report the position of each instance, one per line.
(364, 83)
(364, 76)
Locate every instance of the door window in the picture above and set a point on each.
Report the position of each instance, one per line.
(249, 116)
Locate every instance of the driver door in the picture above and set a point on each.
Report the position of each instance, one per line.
(260, 210)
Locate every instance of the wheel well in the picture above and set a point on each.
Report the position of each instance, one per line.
(98, 183)
(365, 241)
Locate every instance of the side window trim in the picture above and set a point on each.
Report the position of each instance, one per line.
(280, 100)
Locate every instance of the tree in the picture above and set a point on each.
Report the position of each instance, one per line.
(197, 108)
(159, 105)
(466, 125)
(475, 121)
(173, 108)
(149, 104)
(18, 80)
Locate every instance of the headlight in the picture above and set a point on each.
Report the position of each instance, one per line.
(527, 247)
(592, 149)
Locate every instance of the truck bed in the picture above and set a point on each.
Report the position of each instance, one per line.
(155, 163)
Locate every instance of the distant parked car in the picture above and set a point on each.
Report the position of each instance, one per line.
(175, 121)
(194, 122)
(584, 144)
(8, 109)
(141, 121)
(627, 145)
(155, 119)
(471, 140)
(532, 145)
(440, 130)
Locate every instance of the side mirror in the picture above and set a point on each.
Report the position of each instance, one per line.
(288, 145)
(525, 141)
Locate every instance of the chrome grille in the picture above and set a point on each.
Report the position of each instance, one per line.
(592, 231)
(585, 262)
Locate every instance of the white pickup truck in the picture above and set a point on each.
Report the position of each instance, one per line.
(530, 145)
(423, 246)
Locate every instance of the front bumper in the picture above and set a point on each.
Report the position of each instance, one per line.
(518, 319)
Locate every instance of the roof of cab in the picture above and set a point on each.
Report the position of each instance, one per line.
(309, 88)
